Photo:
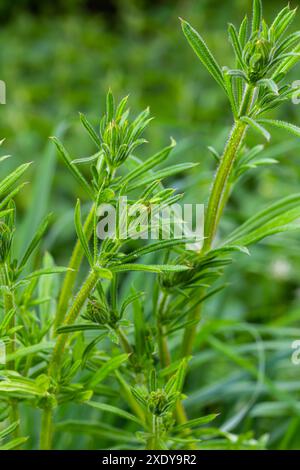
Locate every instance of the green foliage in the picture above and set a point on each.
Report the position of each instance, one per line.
(116, 333)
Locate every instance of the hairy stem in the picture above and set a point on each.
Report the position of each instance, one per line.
(11, 347)
(164, 353)
(59, 348)
(218, 190)
(9, 304)
(153, 441)
(217, 201)
(71, 316)
(46, 429)
(70, 277)
(165, 360)
(124, 342)
(214, 209)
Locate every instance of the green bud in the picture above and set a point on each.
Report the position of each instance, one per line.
(158, 402)
(96, 313)
(258, 58)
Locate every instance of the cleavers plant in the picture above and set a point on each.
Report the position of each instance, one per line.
(100, 342)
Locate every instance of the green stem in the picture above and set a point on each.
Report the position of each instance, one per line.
(72, 315)
(124, 341)
(59, 348)
(9, 304)
(14, 416)
(219, 191)
(165, 359)
(164, 353)
(191, 331)
(217, 200)
(214, 207)
(153, 441)
(70, 277)
(133, 404)
(46, 430)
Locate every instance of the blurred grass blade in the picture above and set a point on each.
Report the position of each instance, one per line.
(81, 234)
(35, 241)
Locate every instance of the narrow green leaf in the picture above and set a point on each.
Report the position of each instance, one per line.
(279, 217)
(88, 126)
(156, 246)
(100, 430)
(288, 43)
(7, 183)
(243, 32)
(35, 241)
(230, 92)
(256, 16)
(281, 23)
(291, 128)
(47, 271)
(6, 431)
(257, 127)
(114, 410)
(234, 39)
(90, 159)
(28, 350)
(79, 327)
(152, 268)
(192, 423)
(139, 396)
(175, 384)
(121, 107)
(107, 368)
(150, 163)
(73, 169)
(269, 83)
(129, 300)
(202, 51)
(110, 106)
(5, 213)
(14, 443)
(214, 153)
(266, 215)
(12, 193)
(165, 173)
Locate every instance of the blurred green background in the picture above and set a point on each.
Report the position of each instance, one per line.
(59, 58)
